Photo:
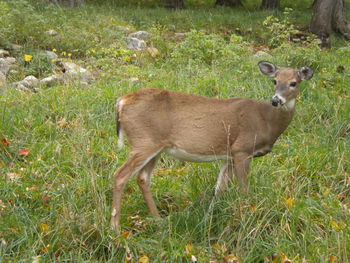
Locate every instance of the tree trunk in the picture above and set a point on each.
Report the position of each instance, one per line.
(329, 15)
(230, 3)
(174, 4)
(70, 3)
(270, 4)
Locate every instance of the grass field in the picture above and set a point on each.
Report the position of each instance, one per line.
(55, 200)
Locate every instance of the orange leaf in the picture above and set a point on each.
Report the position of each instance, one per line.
(5, 142)
(23, 152)
(332, 259)
(285, 259)
(125, 234)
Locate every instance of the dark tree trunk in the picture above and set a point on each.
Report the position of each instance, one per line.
(230, 3)
(270, 4)
(174, 4)
(329, 15)
(70, 3)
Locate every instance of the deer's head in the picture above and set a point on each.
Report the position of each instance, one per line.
(286, 81)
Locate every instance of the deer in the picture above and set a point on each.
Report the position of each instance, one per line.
(201, 129)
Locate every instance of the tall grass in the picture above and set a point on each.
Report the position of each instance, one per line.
(56, 207)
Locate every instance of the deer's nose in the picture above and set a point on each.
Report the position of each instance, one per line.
(275, 101)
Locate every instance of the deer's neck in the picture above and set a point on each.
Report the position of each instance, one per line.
(281, 117)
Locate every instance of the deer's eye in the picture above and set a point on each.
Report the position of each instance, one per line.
(274, 81)
(293, 84)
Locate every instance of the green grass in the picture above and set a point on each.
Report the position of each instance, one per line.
(59, 206)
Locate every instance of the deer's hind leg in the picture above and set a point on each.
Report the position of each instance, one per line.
(224, 177)
(144, 182)
(136, 161)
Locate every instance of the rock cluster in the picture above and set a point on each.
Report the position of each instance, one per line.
(66, 72)
(137, 40)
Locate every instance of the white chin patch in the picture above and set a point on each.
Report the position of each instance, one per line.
(290, 104)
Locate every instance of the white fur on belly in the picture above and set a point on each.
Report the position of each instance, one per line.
(190, 157)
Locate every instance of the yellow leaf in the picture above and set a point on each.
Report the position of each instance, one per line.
(334, 224)
(231, 258)
(188, 248)
(289, 202)
(2, 164)
(28, 58)
(44, 227)
(253, 207)
(326, 191)
(153, 52)
(144, 259)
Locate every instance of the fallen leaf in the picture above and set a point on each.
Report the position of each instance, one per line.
(2, 164)
(231, 258)
(334, 224)
(193, 259)
(341, 197)
(44, 227)
(326, 191)
(13, 176)
(36, 259)
(5, 142)
(45, 199)
(188, 248)
(23, 152)
(144, 259)
(253, 207)
(125, 234)
(45, 249)
(2, 205)
(153, 52)
(289, 202)
(285, 259)
(332, 259)
(3, 242)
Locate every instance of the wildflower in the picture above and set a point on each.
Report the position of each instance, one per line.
(27, 58)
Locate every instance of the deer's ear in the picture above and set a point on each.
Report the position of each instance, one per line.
(305, 73)
(267, 68)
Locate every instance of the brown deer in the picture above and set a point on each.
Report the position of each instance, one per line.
(201, 129)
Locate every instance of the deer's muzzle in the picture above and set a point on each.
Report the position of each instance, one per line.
(276, 101)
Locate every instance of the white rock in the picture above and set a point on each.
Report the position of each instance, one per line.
(16, 47)
(4, 66)
(179, 35)
(143, 35)
(2, 79)
(135, 43)
(133, 79)
(73, 71)
(30, 82)
(4, 53)
(10, 60)
(51, 32)
(51, 55)
(51, 81)
(261, 53)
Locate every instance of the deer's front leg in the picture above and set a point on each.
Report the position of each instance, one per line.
(241, 170)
